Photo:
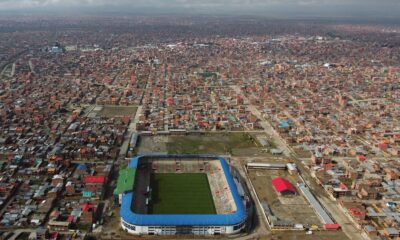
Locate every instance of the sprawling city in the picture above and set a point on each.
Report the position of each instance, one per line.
(199, 125)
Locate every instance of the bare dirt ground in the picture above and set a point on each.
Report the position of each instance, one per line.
(293, 208)
(153, 144)
(300, 235)
(117, 111)
(235, 144)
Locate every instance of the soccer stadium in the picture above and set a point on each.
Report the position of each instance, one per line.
(180, 194)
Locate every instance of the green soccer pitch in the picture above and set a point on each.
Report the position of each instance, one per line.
(180, 193)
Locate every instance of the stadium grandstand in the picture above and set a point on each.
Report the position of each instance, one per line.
(180, 194)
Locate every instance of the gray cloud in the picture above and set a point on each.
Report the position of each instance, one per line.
(378, 6)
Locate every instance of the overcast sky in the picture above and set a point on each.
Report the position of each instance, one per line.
(339, 7)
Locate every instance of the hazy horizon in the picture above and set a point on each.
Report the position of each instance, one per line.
(273, 8)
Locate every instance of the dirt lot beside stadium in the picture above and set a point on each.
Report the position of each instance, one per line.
(293, 208)
(300, 235)
(235, 144)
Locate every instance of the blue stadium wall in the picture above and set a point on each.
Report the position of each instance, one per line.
(170, 224)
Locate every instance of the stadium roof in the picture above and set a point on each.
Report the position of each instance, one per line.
(134, 162)
(126, 179)
(234, 218)
(281, 185)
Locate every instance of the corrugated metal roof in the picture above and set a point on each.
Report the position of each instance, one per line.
(266, 165)
(281, 185)
(82, 167)
(326, 219)
(95, 179)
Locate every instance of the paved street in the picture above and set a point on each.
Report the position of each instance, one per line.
(131, 129)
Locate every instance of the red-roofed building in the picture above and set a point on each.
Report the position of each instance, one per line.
(95, 179)
(283, 186)
(361, 158)
(54, 236)
(88, 212)
(333, 226)
(95, 185)
(70, 219)
(343, 186)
